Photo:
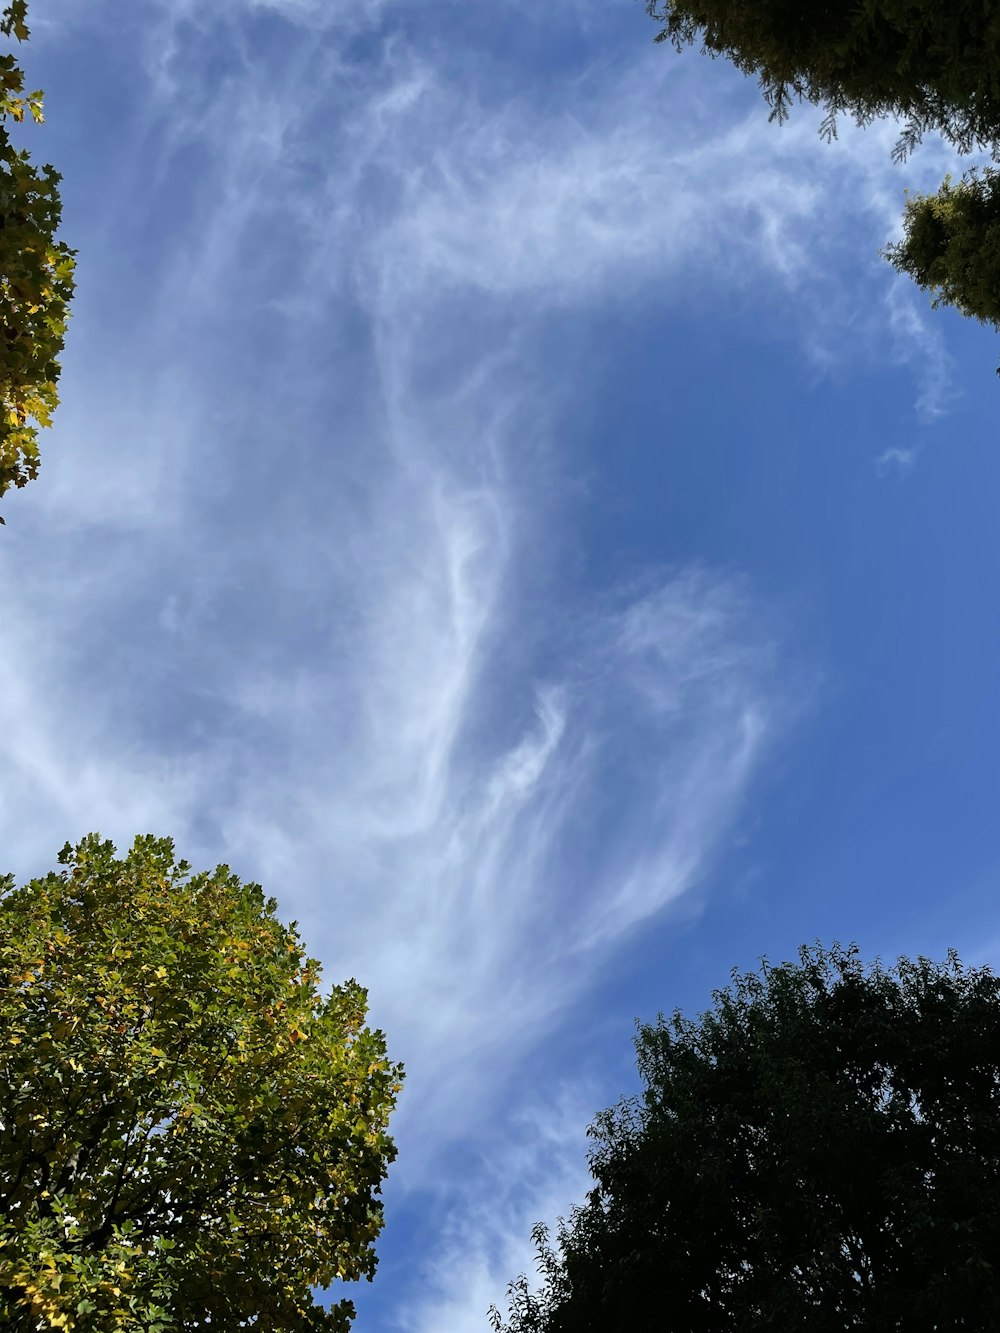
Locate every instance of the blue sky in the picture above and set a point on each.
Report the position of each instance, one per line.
(501, 502)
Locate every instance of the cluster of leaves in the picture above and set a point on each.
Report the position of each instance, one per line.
(191, 1135)
(951, 244)
(36, 276)
(934, 66)
(820, 1151)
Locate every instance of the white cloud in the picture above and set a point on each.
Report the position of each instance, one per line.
(303, 619)
(916, 336)
(471, 829)
(535, 1171)
(896, 458)
(477, 884)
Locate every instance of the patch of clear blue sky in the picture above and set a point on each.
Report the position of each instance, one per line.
(696, 423)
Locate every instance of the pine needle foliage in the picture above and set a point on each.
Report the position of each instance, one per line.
(934, 66)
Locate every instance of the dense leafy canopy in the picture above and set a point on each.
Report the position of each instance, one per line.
(191, 1135)
(36, 276)
(820, 1151)
(935, 66)
(951, 244)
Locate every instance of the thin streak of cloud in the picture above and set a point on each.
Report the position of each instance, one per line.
(535, 1172)
(477, 882)
(309, 634)
(503, 902)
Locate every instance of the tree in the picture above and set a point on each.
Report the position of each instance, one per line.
(820, 1151)
(191, 1135)
(36, 276)
(934, 66)
(951, 245)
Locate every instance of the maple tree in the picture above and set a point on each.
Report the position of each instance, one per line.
(191, 1134)
(36, 275)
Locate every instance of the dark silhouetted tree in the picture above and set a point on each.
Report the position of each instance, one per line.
(818, 1152)
(933, 65)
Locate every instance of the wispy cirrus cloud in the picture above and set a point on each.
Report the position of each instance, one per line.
(291, 587)
(478, 883)
(534, 1171)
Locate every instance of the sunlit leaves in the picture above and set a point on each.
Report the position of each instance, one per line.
(191, 1134)
(36, 275)
(951, 244)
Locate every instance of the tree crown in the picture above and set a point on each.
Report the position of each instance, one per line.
(36, 275)
(819, 1151)
(936, 66)
(191, 1133)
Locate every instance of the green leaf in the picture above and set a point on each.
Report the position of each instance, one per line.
(179, 1125)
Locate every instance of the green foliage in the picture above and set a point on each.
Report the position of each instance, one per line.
(951, 245)
(36, 276)
(818, 1152)
(191, 1135)
(934, 65)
